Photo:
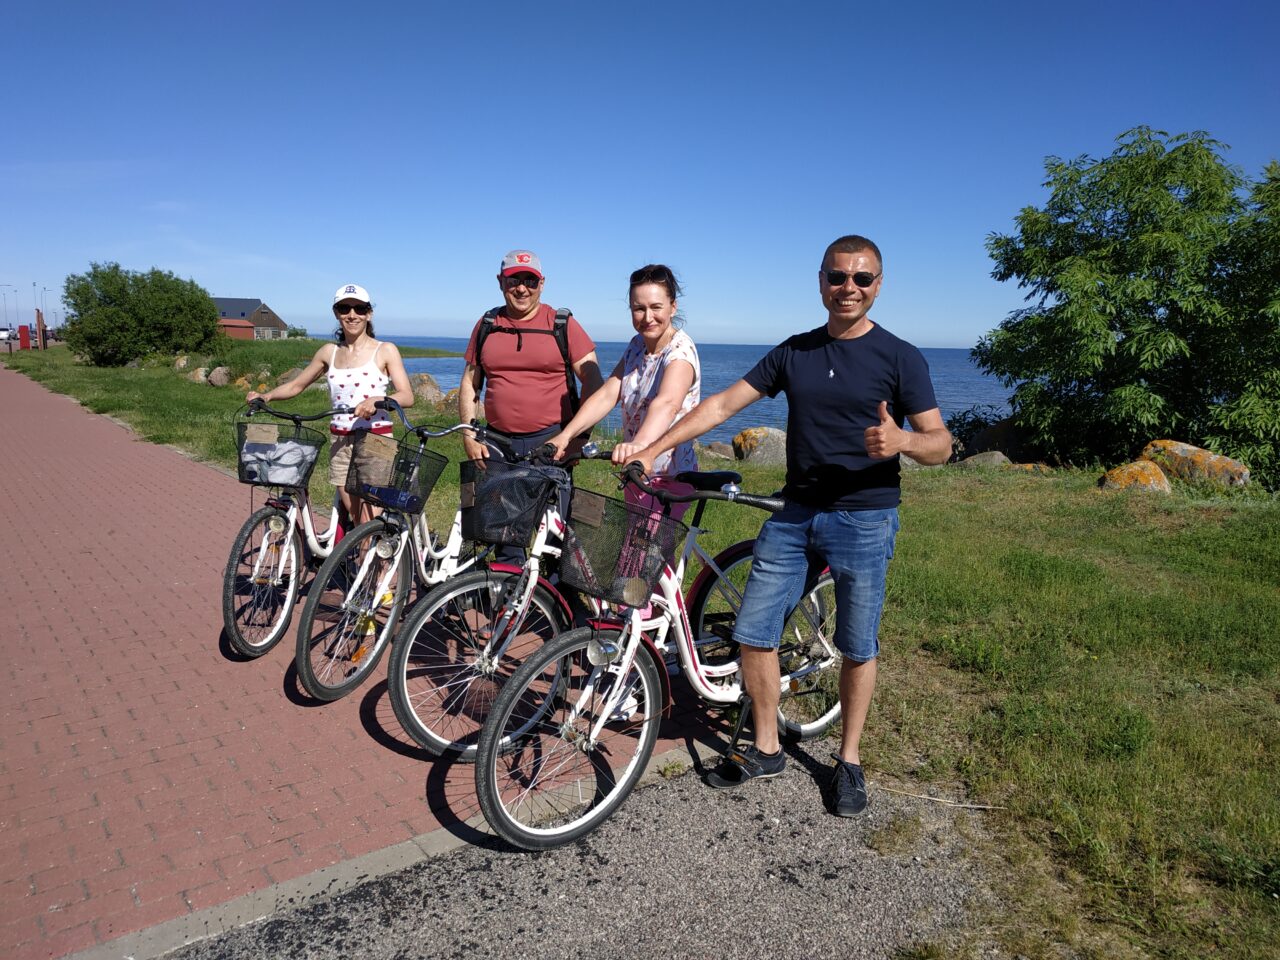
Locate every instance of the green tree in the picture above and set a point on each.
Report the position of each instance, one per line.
(115, 315)
(1152, 284)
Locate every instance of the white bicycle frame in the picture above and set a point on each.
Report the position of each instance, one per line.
(717, 684)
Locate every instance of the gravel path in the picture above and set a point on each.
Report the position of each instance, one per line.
(679, 871)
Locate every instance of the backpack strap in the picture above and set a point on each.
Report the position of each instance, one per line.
(561, 330)
(486, 328)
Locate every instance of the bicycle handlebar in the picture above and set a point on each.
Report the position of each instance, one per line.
(634, 474)
(260, 406)
(425, 432)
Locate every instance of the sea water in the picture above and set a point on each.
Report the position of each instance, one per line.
(957, 382)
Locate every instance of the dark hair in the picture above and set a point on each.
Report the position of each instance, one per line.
(852, 243)
(658, 273)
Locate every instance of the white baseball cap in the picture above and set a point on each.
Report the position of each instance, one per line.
(351, 292)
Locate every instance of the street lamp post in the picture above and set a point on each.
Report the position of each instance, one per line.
(6, 302)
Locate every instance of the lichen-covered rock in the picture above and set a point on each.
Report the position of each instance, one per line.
(1139, 475)
(1196, 464)
(180, 363)
(425, 388)
(989, 458)
(289, 375)
(199, 375)
(242, 383)
(720, 449)
(765, 445)
(219, 377)
(1039, 468)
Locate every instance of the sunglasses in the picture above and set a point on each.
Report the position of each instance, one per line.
(650, 275)
(530, 280)
(863, 278)
(362, 309)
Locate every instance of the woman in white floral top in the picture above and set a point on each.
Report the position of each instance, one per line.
(658, 381)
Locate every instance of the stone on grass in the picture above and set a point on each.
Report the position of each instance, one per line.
(1139, 475)
(1196, 464)
(199, 375)
(989, 458)
(764, 445)
(425, 388)
(219, 376)
(180, 363)
(720, 449)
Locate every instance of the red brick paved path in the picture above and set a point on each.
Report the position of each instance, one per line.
(144, 773)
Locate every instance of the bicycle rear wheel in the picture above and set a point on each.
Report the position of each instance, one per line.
(261, 582)
(812, 703)
(347, 620)
(541, 779)
(443, 676)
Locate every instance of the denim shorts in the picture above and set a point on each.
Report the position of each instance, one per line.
(855, 544)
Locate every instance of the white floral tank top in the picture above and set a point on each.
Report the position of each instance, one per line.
(349, 385)
(641, 380)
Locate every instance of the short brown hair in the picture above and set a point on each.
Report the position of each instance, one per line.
(851, 243)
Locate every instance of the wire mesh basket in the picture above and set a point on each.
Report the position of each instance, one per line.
(276, 453)
(616, 550)
(502, 502)
(394, 474)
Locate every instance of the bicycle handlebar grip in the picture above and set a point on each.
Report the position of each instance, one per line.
(544, 454)
(772, 504)
(257, 404)
(635, 473)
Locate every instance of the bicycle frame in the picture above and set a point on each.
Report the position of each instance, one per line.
(716, 684)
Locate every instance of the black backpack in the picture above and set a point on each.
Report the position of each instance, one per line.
(559, 330)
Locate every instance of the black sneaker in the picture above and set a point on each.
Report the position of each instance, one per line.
(848, 790)
(743, 764)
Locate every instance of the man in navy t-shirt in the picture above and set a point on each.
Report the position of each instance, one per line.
(849, 386)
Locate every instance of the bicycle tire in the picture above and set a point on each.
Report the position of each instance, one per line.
(342, 633)
(813, 704)
(539, 782)
(441, 683)
(257, 607)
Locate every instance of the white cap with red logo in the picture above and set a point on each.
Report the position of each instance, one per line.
(521, 261)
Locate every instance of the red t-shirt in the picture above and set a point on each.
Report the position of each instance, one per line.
(524, 385)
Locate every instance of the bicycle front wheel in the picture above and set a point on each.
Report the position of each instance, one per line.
(545, 776)
(352, 610)
(261, 582)
(457, 649)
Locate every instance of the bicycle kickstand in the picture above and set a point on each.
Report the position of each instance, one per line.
(744, 711)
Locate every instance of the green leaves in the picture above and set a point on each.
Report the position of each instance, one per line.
(1154, 279)
(116, 315)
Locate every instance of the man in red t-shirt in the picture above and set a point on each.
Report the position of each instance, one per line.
(526, 396)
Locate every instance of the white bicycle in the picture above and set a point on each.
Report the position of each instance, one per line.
(572, 731)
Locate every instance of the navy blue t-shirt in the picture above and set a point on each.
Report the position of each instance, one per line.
(834, 388)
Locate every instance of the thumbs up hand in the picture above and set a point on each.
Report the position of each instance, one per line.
(885, 439)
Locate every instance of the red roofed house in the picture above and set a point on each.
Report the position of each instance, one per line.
(263, 322)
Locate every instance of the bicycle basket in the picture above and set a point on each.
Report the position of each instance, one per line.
(394, 474)
(616, 550)
(502, 502)
(276, 453)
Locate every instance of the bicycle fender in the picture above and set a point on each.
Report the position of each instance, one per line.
(515, 568)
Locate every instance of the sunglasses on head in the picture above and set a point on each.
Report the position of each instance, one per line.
(863, 278)
(362, 309)
(530, 280)
(650, 275)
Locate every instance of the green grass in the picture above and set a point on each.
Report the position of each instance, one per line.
(1103, 666)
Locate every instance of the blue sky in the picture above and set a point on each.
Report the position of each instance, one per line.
(277, 150)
